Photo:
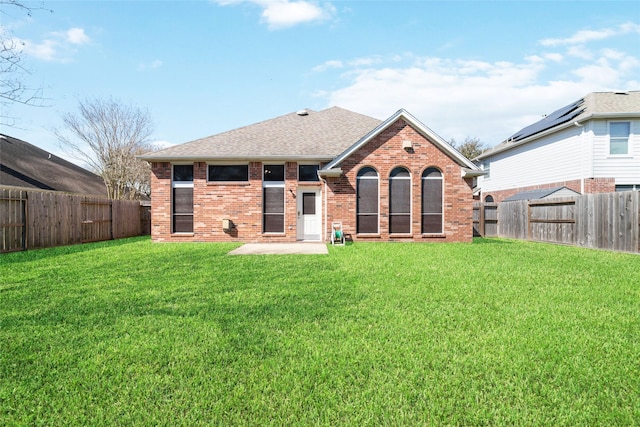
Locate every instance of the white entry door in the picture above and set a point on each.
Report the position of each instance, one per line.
(309, 224)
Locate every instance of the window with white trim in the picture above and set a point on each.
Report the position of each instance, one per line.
(432, 201)
(367, 204)
(486, 167)
(308, 173)
(619, 137)
(273, 199)
(400, 201)
(182, 199)
(228, 173)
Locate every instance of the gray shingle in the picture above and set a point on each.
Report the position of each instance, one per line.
(25, 165)
(316, 135)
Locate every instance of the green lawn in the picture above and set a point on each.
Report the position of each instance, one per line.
(496, 332)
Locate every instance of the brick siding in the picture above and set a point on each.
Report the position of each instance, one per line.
(242, 203)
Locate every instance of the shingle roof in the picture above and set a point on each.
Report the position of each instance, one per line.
(313, 135)
(25, 165)
(593, 105)
(536, 194)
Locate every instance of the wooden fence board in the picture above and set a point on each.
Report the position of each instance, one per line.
(605, 221)
(31, 219)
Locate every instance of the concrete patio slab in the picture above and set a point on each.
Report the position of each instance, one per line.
(281, 249)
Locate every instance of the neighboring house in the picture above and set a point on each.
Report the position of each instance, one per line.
(27, 166)
(290, 178)
(589, 146)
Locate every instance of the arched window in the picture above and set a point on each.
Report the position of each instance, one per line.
(367, 210)
(488, 199)
(432, 194)
(400, 201)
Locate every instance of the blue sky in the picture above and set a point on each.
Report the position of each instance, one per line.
(480, 69)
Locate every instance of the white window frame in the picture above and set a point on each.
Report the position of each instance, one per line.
(612, 139)
(307, 164)
(180, 184)
(229, 164)
(441, 179)
(275, 184)
(410, 179)
(376, 233)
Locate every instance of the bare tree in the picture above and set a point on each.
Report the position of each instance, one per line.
(470, 148)
(108, 135)
(13, 86)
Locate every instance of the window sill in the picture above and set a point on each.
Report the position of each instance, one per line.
(274, 233)
(401, 235)
(182, 234)
(619, 156)
(237, 183)
(434, 236)
(367, 235)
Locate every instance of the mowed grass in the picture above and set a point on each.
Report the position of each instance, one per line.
(496, 332)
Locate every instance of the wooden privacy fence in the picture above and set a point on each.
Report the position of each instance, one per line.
(603, 221)
(31, 219)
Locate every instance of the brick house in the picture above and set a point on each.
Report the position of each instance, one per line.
(288, 179)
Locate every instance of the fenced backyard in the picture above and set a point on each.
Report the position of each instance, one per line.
(601, 221)
(33, 219)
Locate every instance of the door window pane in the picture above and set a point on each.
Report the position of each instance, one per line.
(308, 203)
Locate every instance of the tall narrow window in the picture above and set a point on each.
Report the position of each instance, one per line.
(619, 137)
(182, 193)
(432, 201)
(367, 211)
(273, 199)
(400, 201)
(486, 167)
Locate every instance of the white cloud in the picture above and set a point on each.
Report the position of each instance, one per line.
(460, 98)
(490, 100)
(76, 36)
(280, 14)
(580, 52)
(585, 36)
(59, 46)
(156, 63)
(328, 65)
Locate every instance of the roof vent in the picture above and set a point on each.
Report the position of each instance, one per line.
(304, 112)
(620, 92)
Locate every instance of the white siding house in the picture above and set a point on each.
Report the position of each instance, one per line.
(590, 146)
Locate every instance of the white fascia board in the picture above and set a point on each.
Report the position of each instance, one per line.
(419, 126)
(471, 173)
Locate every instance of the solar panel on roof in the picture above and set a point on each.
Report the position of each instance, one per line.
(563, 115)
